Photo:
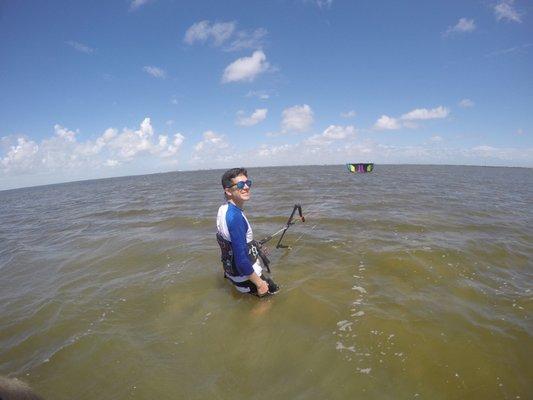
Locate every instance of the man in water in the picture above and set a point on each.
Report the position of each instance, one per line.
(240, 253)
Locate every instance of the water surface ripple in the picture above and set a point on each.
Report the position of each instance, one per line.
(409, 282)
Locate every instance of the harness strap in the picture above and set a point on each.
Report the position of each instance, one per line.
(226, 255)
(258, 247)
(228, 259)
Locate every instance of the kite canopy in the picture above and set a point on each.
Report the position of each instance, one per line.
(360, 168)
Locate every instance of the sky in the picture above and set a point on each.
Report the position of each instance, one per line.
(100, 89)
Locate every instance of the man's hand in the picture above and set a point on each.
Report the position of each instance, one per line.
(262, 286)
(262, 289)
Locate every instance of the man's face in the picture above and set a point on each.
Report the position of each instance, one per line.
(236, 194)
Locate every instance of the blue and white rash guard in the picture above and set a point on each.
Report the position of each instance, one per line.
(235, 228)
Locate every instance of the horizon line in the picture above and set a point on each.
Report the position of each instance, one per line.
(267, 166)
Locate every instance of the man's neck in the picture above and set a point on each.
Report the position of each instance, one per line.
(239, 205)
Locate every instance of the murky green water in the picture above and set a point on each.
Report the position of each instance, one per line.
(410, 282)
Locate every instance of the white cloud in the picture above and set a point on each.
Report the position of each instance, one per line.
(257, 116)
(203, 31)
(387, 123)
(408, 120)
(90, 148)
(81, 47)
(211, 140)
(136, 4)
(269, 151)
(198, 32)
(20, 157)
(62, 153)
(213, 150)
(336, 132)
(508, 155)
(335, 145)
(331, 134)
(320, 3)
(246, 68)
(130, 143)
(350, 148)
(424, 114)
(324, 3)
(516, 49)
(225, 35)
(505, 10)
(113, 152)
(297, 119)
(57, 154)
(168, 149)
(220, 32)
(64, 133)
(466, 103)
(260, 94)
(464, 25)
(484, 149)
(348, 114)
(108, 134)
(243, 40)
(156, 72)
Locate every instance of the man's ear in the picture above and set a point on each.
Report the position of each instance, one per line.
(227, 192)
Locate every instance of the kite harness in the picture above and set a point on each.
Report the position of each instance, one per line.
(255, 248)
(255, 251)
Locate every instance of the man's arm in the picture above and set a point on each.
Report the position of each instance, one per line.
(237, 228)
(262, 286)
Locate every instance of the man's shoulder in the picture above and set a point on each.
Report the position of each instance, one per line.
(228, 211)
(223, 208)
(234, 213)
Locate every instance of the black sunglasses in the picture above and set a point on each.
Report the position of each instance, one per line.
(240, 184)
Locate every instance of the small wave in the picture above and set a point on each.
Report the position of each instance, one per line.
(117, 214)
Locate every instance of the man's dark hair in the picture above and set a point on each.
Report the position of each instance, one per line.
(230, 174)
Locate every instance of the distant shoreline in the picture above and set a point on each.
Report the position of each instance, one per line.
(251, 168)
